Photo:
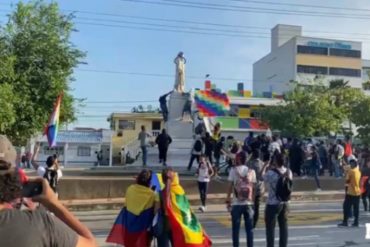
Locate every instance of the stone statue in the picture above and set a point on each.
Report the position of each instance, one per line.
(180, 62)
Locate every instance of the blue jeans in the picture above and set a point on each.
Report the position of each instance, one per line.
(144, 154)
(337, 171)
(315, 174)
(277, 213)
(237, 212)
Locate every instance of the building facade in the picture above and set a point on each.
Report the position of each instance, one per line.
(126, 128)
(294, 57)
(78, 148)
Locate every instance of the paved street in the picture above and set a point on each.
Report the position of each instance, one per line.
(311, 224)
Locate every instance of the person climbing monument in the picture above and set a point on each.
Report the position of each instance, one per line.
(163, 106)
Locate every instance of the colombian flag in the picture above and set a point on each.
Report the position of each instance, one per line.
(186, 229)
(131, 226)
(51, 130)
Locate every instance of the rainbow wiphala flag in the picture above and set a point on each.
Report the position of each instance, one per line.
(211, 103)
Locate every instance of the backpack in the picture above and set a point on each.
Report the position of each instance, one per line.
(284, 186)
(198, 146)
(51, 176)
(243, 186)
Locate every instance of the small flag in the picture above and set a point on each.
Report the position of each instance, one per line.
(51, 130)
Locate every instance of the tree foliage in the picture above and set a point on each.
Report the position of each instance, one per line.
(361, 118)
(315, 109)
(37, 61)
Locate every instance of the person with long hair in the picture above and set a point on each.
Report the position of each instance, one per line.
(132, 224)
(204, 174)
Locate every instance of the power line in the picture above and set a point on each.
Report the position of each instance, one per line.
(240, 9)
(156, 75)
(299, 5)
(222, 31)
(187, 27)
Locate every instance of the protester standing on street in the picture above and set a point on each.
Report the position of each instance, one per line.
(242, 182)
(163, 141)
(143, 138)
(338, 159)
(353, 194)
(324, 157)
(256, 164)
(296, 157)
(208, 147)
(196, 151)
(163, 106)
(204, 174)
(316, 167)
(277, 179)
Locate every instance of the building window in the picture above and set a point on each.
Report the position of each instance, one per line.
(83, 151)
(366, 74)
(345, 72)
(59, 150)
(317, 70)
(126, 124)
(345, 53)
(312, 50)
(156, 125)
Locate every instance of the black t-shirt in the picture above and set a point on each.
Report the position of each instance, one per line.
(23, 228)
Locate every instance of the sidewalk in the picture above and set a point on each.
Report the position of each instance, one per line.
(213, 199)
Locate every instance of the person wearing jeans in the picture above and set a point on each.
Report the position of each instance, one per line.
(279, 213)
(204, 173)
(353, 194)
(316, 167)
(276, 210)
(143, 138)
(241, 205)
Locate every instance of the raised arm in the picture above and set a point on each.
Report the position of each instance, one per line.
(35, 154)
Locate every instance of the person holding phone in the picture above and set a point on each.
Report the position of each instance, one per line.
(61, 230)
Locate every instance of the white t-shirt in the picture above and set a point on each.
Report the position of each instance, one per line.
(234, 174)
(41, 172)
(203, 173)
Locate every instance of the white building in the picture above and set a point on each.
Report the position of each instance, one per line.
(294, 57)
(78, 148)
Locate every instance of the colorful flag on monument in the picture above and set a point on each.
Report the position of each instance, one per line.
(211, 103)
(51, 130)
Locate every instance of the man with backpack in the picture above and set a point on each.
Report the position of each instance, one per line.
(278, 180)
(242, 185)
(196, 151)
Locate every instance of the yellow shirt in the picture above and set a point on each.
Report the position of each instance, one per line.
(353, 182)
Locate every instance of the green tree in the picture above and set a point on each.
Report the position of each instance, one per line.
(361, 118)
(313, 109)
(41, 58)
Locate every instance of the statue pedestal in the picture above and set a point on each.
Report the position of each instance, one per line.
(178, 129)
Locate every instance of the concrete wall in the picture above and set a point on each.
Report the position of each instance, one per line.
(98, 188)
(274, 71)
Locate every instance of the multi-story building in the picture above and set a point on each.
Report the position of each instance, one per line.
(294, 57)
